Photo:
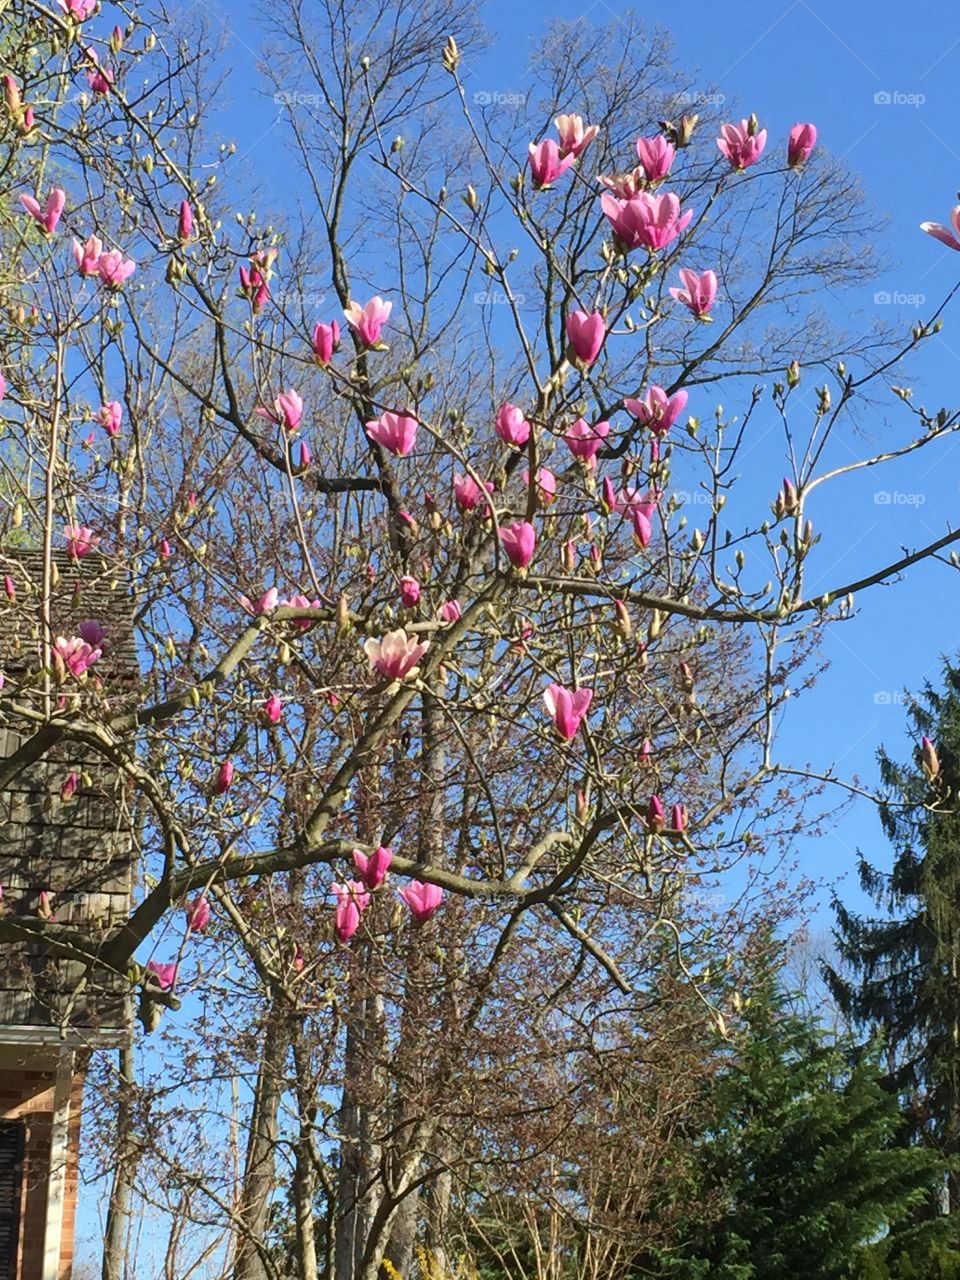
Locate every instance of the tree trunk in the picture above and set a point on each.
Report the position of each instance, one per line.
(359, 1188)
(121, 1190)
(403, 1235)
(258, 1174)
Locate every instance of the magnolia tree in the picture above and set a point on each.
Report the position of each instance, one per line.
(466, 611)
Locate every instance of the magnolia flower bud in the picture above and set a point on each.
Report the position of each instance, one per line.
(343, 616)
(793, 373)
(656, 815)
(451, 55)
(929, 760)
(624, 621)
(582, 808)
(685, 129)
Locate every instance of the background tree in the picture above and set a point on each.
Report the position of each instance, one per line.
(900, 978)
(804, 1157)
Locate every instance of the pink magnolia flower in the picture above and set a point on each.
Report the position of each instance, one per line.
(266, 603)
(609, 497)
(70, 784)
(71, 653)
(165, 974)
(653, 221)
(94, 632)
(656, 814)
(272, 710)
(80, 540)
(254, 287)
(326, 341)
(166, 551)
(656, 156)
(47, 217)
(87, 256)
(352, 899)
(451, 611)
(657, 410)
(44, 906)
(299, 959)
(944, 234)
(198, 914)
(368, 321)
(224, 778)
(585, 442)
(639, 511)
(586, 332)
(79, 10)
(575, 137)
(9, 587)
(802, 140)
(301, 602)
(395, 657)
(698, 292)
(373, 869)
(546, 485)
(646, 751)
(113, 268)
(304, 458)
(678, 817)
(547, 164)
(185, 222)
(422, 899)
(110, 416)
(287, 410)
(99, 78)
(397, 432)
(519, 542)
(409, 591)
(742, 144)
(567, 707)
(512, 427)
(468, 493)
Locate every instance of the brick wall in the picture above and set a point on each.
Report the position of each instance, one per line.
(27, 1095)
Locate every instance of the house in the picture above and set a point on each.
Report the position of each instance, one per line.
(66, 840)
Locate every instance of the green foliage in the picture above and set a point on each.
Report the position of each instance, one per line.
(906, 963)
(806, 1150)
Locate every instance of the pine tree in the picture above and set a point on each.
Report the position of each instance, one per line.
(905, 984)
(806, 1148)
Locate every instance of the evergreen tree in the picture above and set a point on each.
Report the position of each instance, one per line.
(806, 1150)
(905, 984)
